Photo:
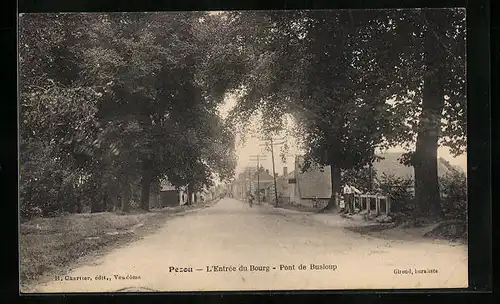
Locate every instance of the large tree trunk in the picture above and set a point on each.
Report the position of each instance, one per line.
(370, 185)
(105, 201)
(190, 197)
(69, 197)
(126, 195)
(70, 204)
(145, 186)
(118, 202)
(427, 197)
(78, 206)
(335, 178)
(112, 197)
(98, 204)
(111, 201)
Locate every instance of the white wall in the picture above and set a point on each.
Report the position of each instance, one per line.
(294, 196)
(182, 197)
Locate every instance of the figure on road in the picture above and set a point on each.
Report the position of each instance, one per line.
(250, 199)
(349, 192)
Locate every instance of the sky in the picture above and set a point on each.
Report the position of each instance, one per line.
(252, 146)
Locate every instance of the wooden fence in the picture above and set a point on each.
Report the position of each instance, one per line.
(373, 203)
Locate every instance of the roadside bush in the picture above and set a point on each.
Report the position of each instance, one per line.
(454, 195)
(399, 191)
(36, 199)
(28, 210)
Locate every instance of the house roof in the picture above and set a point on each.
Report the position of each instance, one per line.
(316, 181)
(263, 176)
(247, 173)
(390, 165)
(167, 186)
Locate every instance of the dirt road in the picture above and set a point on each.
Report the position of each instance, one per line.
(271, 243)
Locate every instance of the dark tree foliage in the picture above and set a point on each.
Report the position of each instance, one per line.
(356, 81)
(113, 103)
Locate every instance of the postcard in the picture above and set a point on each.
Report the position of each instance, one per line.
(243, 151)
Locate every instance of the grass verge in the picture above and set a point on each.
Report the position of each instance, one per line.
(442, 231)
(51, 246)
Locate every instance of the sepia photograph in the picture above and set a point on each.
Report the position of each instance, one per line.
(242, 150)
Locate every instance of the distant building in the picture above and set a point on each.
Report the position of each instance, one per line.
(293, 186)
(263, 181)
(251, 180)
(241, 185)
(171, 196)
(315, 183)
(285, 188)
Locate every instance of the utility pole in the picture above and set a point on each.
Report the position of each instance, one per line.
(274, 173)
(258, 158)
(271, 144)
(258, 181)
(245, 183)
(371, 177)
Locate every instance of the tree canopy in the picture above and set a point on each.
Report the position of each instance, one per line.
(117, 102)
(122, 99)
(354, 80)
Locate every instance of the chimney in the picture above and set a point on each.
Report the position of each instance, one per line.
(285, 171)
